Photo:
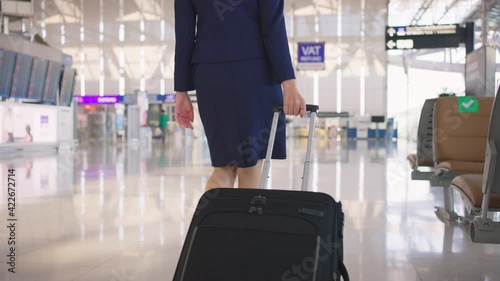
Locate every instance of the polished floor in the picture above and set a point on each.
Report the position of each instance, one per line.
(120, 213)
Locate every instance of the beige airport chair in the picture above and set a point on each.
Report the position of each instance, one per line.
(459, 139)
(424, 156)
(459, 143)
(481, 193)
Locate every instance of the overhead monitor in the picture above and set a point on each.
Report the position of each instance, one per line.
(37, 80)
(52, 81)
(21, 76)
(17, 8)
(378, 119)
(67, 86)
(7, 60)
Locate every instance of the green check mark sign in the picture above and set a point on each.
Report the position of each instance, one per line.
(468, 104)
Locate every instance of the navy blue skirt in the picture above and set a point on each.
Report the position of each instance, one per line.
(235, 101)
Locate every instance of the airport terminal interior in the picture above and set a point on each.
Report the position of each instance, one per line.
(95, 188)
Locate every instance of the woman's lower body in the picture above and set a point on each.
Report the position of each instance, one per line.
(236, 101)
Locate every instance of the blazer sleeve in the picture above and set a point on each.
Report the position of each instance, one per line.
(185, 25)
(273, 28)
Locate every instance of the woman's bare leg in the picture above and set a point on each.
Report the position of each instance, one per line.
(250, 177)
(221, 177)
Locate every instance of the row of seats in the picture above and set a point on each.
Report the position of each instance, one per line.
(425, 155)
(450, 142)
(460, 150)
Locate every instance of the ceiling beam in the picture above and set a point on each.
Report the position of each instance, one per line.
(476, 12)
(447, 10)
(421, 12)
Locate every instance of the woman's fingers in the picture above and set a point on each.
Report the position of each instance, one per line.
(178, 119)
(294, 103)
(184, 114)
(302, 112)
(184, 121)
(297, 107)
(191, 115)
(302, 108)
(286, 103)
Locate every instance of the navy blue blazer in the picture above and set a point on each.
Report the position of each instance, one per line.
(215, 31)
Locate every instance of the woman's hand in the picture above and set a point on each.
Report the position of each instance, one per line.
(184, 110)
(294, 103)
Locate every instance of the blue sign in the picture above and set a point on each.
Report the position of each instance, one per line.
(128, 99)
(169, 98)
(155, 98)
(311, 56)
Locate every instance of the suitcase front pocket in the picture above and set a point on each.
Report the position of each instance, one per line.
(246, 247)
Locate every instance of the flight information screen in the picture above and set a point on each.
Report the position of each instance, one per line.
(52, 81)
(67, 86)
(7, 60)
(37, 80)
(21, 76)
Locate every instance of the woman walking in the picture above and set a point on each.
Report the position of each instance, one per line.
(235, 54)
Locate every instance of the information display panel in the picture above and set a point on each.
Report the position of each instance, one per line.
(21, 76)
(423, 37)
(7, 60)
(67, 86)
(52, 82)
(37, 80)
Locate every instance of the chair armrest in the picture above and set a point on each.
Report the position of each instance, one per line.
(490, 165)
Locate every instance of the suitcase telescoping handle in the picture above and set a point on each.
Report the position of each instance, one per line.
(313, 109)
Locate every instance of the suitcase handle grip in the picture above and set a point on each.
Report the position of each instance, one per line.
(309, 108)
(313, 109)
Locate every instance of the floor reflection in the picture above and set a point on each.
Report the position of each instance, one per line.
(114, 210)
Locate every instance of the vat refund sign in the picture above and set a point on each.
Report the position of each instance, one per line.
(311, 56)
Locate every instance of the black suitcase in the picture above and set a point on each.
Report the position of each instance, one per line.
(265, 235)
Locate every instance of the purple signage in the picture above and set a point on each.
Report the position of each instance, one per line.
(96, 173)
(98, 99)
(44, 124)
